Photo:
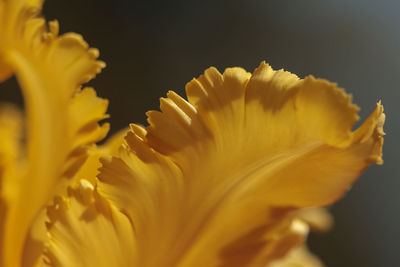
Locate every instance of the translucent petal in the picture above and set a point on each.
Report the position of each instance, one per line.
(213, 170)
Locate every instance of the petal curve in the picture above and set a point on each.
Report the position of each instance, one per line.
(212, 169)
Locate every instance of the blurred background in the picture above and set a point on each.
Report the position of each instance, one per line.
(154, 46)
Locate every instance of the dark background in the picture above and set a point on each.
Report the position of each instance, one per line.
(154, 46)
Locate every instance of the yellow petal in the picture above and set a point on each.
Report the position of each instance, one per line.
(35, 2)
(298, 257)
(210, 171)
(38, 235)
(61, 119)
(288, 123)
(10, 134)
(86, 231)
(319, 219)
(148, 213)
(265, 248)
(154, 202)
(89, 170)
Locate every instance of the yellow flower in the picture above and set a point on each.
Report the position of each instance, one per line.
(221, 179)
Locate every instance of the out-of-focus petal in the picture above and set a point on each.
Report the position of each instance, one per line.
(10, 134)
(273, 244)
(50, 70)
(298, 257)
(211, 171)
(319, 219)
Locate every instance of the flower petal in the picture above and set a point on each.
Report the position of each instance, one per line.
(288, 124)
(210, 171)
(62, 120)
(10, 135)
(155, 174)
(38, 234)
(155, 203)
(298, 257)
(89, 170)
(319, 219)
(86, 231)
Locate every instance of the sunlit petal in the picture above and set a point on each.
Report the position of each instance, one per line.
(211, 171)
